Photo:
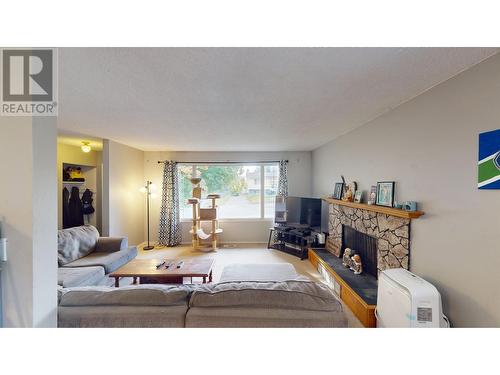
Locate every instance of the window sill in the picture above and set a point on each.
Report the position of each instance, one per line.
(235, 220)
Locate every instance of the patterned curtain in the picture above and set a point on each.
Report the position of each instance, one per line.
(283, 179)
(170, 230)
(282, 186)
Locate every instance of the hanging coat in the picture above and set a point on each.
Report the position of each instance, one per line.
(65, 209)
(75, 208)
(87, 202)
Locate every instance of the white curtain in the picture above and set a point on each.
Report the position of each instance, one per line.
(170, 229)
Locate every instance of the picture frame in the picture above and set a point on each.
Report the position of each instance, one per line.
(385, 193)
(338, 191)
(372, 198)
(488, 168)
(358, 196)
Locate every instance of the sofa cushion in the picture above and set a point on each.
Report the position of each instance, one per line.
(110, 261)
(253, 317)
(121, 316)
(84, 276)
(299, 295)
(75, 243)
(110, 244)
(132, 295)
(259, 272)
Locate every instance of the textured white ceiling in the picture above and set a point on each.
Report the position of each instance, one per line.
(242, 99)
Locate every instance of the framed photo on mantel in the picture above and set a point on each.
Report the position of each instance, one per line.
(358, 196)
(338, 191)
(385, 193)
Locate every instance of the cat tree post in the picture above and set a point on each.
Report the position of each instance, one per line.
(194, 227)
(214, 197)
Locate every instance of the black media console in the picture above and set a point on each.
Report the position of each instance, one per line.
(300, 223)
(293, 239)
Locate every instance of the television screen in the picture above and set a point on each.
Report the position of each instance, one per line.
(292, 210)
(325, 216)
(310, 212)
(305, 211)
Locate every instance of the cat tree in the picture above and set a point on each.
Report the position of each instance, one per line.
(203, 215)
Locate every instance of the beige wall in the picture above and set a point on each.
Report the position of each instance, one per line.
(235, 231)
(122, 203)
(429, 146)
(74, 155)
(28, 217)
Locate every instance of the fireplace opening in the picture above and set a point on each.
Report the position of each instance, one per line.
(364, 245)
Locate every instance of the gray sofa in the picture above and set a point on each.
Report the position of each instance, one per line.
(292, 303)
(85, 258)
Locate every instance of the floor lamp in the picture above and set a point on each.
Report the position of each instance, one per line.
(148, 191)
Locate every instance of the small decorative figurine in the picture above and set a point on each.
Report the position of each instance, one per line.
(353, 186)
(356, 265)
(346, 258)
(348, 196)
(373, 195)
(410, 206)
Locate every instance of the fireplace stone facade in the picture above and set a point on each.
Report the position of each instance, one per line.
(392, 234)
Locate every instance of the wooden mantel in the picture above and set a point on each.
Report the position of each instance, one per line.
(380, 209)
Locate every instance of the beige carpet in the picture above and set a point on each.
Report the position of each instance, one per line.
(247, 253)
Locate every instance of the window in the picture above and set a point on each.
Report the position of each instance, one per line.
(247, 190)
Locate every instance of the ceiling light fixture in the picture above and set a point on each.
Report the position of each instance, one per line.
(86, 147)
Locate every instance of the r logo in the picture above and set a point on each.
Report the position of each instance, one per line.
(27, 75)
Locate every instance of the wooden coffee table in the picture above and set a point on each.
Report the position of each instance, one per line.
(146, 271)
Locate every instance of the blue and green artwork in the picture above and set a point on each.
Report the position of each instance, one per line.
(488, 176)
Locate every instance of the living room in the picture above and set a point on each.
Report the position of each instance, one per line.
(388, 148)
(242, 187)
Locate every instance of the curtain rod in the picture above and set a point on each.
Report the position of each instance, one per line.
(224, 162)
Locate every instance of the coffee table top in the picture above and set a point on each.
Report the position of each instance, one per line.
(191, 267)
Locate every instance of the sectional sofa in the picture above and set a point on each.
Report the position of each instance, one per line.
(85, 258)
(292, 303)
(248, 295)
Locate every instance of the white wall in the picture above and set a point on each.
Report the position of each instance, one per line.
(44, 222)
(28, 214)
(123, 207)
(249, 231)
(429, 146)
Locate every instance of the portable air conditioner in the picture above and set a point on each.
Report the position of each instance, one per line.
(405, 300)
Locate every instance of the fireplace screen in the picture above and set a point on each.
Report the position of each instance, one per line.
(364, 245)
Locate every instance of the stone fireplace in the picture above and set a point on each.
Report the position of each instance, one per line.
(390, 233)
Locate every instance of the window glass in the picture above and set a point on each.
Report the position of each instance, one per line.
(185, 190)
(244, 193)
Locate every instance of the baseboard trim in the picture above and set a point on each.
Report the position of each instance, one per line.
(142, 244)
(232, 242)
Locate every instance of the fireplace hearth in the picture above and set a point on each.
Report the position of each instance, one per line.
(384, 239)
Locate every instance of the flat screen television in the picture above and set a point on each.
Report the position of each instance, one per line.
(304, 211)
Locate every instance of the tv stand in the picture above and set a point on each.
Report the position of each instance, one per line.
(292, 239)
